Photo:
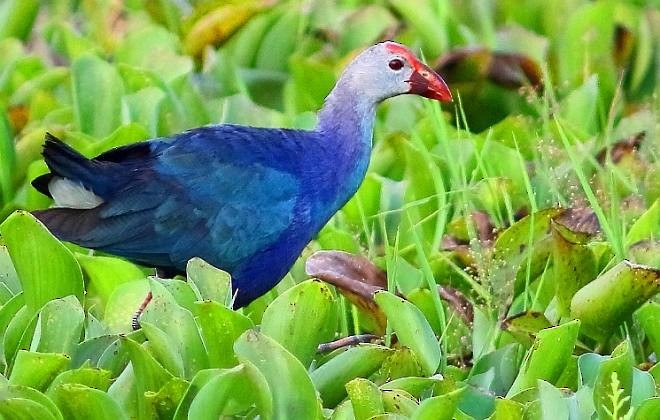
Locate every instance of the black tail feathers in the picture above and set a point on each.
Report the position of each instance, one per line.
(63, 161)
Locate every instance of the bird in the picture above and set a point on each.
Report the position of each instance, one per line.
(247, 200)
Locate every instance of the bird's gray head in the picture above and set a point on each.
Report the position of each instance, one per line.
(389, 69)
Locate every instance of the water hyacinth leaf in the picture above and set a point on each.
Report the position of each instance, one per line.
(648, 409)
(551, 402)
(366, 398)
(355, 277)
(615, 375)
(180, 290)
(643, 387)
(57, 274)
(547, 357)
(17, 18)
(97, 91)
(359, 361)
(78, 401)
(647, 226)
(179, 325)
(149, 374)
(163, 403)
(507, 409)
(503, 363)
(280, 41)
(37, 370)
(612, 297)
(649, 318)
(104, 275)
(226, 394)
(208, 282)
(162, 349)
(400, 364)
(8, 275)
(124, 390)
(399, 402)
(293, 394)
(218, 25)
(18, 334)
(59, 327)
(525, 326)
(574, 266)
(412, 329)
(200, 379)
(510, 249)
(220, 327)
(91, 350)
(7, 313)
(441, 407)
(301, 318)
(413, 385)
(91, 377)
(22, 402)
(7, 161)
(123, 303)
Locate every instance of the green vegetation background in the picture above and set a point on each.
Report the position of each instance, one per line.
(519, 226)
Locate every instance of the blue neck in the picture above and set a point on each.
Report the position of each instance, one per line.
(346, 125)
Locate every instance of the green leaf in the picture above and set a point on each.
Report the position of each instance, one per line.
(228, 393)
(162, 349)
(90, 377)
(17, 18)
(574, 266)
(399, 402)
(415, 386)
(648, 409)
(97, 91)
(37, 370)
(57, 275)
(366, 398)
(78, 401)
(59, 327)
(18, 335)
(208, 282)
(21, 402)
(104, 275)
(441, 407)
(220, 327)
(149, 374)
(7, 313)
(179, 326)
(649, 318)
(614, 374)
(647, 226)
(301, 318)
(547, 357)
(359, 361)
(612, 297)
(293, 394)
(412, 329)
(507, 409)
(7, 161)
(123, 303)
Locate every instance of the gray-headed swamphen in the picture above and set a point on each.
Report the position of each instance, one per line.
(245, 199)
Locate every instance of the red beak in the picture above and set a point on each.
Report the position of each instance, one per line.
(426, 82)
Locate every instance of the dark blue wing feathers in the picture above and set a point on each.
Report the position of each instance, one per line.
(224, 193)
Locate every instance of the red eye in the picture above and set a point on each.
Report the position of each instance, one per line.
(396, 64)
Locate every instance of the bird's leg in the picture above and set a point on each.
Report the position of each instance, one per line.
(161, 273)
(135, 321)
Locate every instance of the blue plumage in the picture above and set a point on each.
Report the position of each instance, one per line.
(245, 199)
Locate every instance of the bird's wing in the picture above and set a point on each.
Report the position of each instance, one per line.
(207, 193)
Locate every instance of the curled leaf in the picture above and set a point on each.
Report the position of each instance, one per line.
(356, 278)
